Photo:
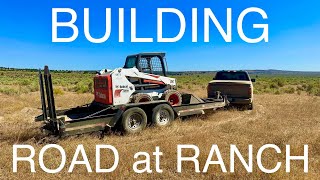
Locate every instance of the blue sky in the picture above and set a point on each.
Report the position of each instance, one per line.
(294, 35)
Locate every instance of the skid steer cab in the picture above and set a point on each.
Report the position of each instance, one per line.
(142, 79)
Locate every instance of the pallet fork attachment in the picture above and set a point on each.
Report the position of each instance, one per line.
(43, 98)
(72, 121)
(48, 108)
(49, 91)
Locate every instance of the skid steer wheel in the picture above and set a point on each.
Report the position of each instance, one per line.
(162, 115)
(134, 120)
(173, 97)
(140, 97)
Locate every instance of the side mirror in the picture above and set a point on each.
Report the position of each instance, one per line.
(214, 78)
(253, 80)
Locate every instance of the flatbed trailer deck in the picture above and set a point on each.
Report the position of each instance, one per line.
(95, 116)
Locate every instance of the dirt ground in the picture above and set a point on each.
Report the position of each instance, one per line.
(276, 119)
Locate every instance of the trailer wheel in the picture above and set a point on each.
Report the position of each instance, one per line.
(173, 97)
(134, 120)
(140, 97)
(162, 115)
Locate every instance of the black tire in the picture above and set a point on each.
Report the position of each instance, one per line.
(133, 120)
(162, 115)
(140, 97)
(250, 106)
(173, 97)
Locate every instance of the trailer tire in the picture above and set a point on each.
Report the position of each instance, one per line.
(133, 120)
(162, 115)
(140, 97)
(173, 97)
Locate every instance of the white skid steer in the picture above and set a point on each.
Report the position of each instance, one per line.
(142, 79)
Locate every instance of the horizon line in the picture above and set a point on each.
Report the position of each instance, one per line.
(36, 69)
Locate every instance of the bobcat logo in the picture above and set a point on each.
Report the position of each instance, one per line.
(101, 95)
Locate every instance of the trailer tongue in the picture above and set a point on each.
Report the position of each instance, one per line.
(131, 117)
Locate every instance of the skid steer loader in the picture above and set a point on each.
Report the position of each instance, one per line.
(142, 79)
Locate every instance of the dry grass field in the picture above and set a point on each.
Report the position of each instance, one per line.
(277, 119)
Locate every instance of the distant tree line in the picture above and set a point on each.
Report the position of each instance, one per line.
(252, 72)
(56, 71)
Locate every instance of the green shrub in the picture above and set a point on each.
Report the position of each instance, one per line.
(300, 88)
(309, 87)
(268, 90)
(304, 86)
(274, 86)
(289, 90)
(277, 92)
(280, 82)
(255, 91)
(8, 91)
(313, 89)
(58, 91)
(90, 86)
(82, 87)
(33, 87)
(25, 82)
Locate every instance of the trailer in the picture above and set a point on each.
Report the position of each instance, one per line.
(131, 117)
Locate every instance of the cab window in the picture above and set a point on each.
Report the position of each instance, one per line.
(241, 76)
(130, 62)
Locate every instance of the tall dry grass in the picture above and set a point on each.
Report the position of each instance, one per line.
(277, 119)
